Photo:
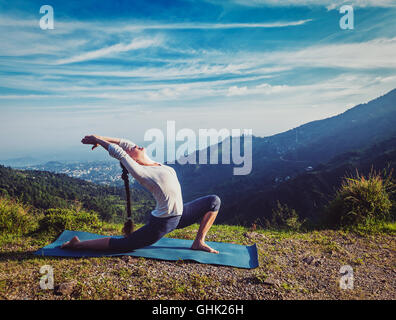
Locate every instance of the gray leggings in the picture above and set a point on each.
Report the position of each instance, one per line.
(156, 228)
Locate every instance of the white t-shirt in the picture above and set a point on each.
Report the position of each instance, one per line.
(161, 180)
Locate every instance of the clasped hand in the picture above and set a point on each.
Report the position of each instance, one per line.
(91, 139)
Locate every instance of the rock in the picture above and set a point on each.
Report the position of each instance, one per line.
(65, 288)
(127, 259)
(270, 282)
(252, 235)
(308, 260)
(317, 263)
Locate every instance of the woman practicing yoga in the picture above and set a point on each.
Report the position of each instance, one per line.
(170, 213)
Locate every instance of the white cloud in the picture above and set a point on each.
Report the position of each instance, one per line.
(117, 48)
(376, 53)
(329, 4)
(180, 71)
(213, 74)
(236, 91)
(216, 78)
(353, 58)
(199, 25)
(29, 96)
(266, 88)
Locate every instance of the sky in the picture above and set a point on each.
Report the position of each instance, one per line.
(120, 68)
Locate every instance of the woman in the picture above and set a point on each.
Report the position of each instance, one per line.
(170, 213)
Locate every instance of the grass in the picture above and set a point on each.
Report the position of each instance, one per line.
(280, 253)
(284, 272)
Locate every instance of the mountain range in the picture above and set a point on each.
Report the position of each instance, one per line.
(301, 167)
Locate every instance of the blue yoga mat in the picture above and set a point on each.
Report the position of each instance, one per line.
(233, 255)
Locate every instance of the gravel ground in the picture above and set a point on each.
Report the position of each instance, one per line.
(295, 266)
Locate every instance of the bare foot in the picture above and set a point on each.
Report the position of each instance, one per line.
(202, 246)
(70, 244)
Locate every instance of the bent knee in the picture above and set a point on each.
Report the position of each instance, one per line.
(215, 202)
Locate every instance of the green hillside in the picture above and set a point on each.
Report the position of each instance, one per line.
(44, 190)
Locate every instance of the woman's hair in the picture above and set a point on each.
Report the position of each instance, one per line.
(128, 228)
(128, 225)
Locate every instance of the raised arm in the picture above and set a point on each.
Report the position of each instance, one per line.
(110, 140)
(136, 170)
(123, 143)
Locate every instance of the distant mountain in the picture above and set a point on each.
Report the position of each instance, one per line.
(21, 161)
(309, 192)
(54, 164)
(357, 127)
(283, 156)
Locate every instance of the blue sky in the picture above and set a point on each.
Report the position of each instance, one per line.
(119, 68)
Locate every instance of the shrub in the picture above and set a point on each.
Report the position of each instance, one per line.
(15, 218)
(361, 200)
(58, 220)
(284, 217)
